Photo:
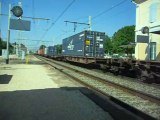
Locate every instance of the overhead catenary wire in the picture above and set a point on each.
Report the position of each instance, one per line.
(33, 9)
(65, 10)
(94, 17)
(0, 18)
(115, 15)
(60, 35)
(109, 9)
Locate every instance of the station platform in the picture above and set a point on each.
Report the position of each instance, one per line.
(36, 91)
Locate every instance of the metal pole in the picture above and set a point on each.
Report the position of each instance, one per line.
(19, 36)
(0, 18)
(8, 39)
(149, 54)
(90, 23)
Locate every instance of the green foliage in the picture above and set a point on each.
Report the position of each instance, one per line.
(123, 36)
(11, 49)
(0, 46)
(59, 48)
(0, 42)
(3, 45)
(42, 47)
(108, 44)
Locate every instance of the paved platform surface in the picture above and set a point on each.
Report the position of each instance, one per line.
(36, 91)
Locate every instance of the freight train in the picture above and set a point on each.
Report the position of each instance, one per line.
(87, 48)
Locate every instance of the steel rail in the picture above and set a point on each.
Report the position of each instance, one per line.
(115, 85)
(130, 108)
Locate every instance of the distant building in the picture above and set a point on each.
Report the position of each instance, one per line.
(148, 17)
(23, 48)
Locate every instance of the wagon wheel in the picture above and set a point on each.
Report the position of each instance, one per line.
(150, 79)
(116, 71)
(143, 79)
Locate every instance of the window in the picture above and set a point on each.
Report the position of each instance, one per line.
(153, 12)
(153, 50)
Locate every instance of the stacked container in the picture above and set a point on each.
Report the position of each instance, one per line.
(85, 44)
(51, 51)
(41, 52)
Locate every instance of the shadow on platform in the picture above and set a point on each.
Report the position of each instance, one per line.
(37, 62)
(65, 103)
(5, 79)
(47, 104)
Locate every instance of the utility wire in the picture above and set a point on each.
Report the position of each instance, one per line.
(71, 29)
(33, 9)
(109, 9)
(115, 15)
(65, 10)
(103, 12)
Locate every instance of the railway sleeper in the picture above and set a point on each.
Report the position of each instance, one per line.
(115, 70)
(156, 77)
(147, 77)
(105, 68)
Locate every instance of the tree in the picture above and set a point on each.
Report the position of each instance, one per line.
(0, 46)
(42, 47)
(123, 36)
(3, 45)
(11, 48)
(59, 48)
(108, 45)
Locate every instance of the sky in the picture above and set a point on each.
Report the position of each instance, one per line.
(107, 16)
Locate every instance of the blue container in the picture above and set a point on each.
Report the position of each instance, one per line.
(85, 44)
(51, 51)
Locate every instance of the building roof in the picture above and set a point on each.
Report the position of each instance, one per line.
(139, 1)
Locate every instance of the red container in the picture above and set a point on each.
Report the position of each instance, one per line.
(41, 52)
(38, 52)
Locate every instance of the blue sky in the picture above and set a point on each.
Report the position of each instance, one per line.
(79, 11)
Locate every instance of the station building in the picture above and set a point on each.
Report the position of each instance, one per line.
(147, 30)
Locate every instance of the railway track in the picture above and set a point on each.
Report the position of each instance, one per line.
(126, 78)
(150, 89)
(140, 101)
(131, 83)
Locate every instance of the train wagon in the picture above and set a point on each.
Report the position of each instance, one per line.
(41, 52)
(51, 51)
(84, 44)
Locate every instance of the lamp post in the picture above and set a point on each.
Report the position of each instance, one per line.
(145, 30)
(17, 11)
(8, 38)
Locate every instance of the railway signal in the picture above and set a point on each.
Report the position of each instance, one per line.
(17, 11)
(145, 30)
